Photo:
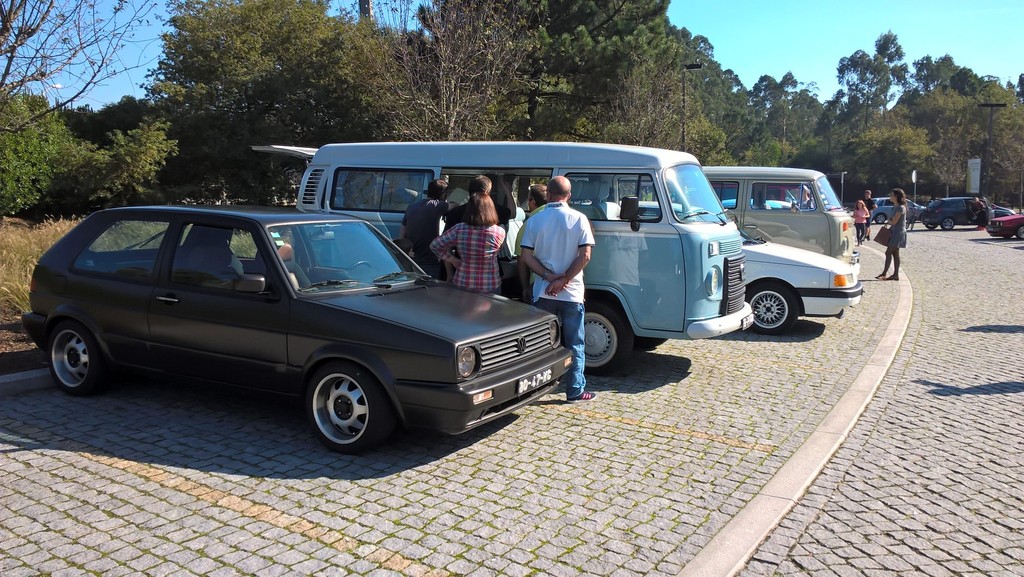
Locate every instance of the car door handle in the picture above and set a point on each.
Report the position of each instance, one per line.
(170, 299)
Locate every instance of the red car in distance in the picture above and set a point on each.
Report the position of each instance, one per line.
(1007, 226)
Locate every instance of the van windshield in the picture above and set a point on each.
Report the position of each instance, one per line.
(691, 194)
(829, 200)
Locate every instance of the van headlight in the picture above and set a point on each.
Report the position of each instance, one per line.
(713, 281)
(468, 361)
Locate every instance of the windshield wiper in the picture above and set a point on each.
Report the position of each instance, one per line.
(330, 282)
(694, 212)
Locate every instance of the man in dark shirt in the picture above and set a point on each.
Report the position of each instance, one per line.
(869, 204)
(421, 225)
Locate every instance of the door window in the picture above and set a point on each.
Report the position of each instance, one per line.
(126, 248)
(597, 195)
(215, 257)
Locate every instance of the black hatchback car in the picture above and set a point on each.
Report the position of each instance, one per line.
(949, 212)
(322, 307)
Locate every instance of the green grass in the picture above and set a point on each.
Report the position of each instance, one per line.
(21, 245)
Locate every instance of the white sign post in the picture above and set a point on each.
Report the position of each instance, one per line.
(973, 176)
(913, 178)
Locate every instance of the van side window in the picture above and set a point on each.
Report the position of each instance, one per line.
(597, 195)
(775, 195)
(727, 191)
(377, 189)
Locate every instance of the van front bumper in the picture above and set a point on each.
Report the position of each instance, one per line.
(737, 321)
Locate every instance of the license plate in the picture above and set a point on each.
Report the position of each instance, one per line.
(530, 383)
(746, 322)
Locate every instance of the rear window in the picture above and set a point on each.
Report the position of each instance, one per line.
(126, 248)
(379, 190)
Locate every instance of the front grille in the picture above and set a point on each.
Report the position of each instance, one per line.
(308, 199)
(735, 291)
(513, 347)
(728, 247)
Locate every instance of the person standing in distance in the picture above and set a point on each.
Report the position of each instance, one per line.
(556, 247)
(869, 203)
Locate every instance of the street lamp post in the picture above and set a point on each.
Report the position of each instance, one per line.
(694, 66)
(986, 171)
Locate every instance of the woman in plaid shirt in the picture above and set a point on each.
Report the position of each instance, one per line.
(476, 240)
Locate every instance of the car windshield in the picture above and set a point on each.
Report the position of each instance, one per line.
(341, 256)
(829, 200)
(691, 194)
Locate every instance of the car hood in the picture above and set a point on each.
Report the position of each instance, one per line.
(439, 309)
(1009, 219)
(775, 254)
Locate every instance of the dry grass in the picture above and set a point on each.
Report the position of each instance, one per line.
(21, 245)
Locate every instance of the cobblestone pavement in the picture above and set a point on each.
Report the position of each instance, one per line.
(166, 478)
(931, 480)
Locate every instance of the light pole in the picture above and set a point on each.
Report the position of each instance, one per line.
(986, 172)
(694, 66)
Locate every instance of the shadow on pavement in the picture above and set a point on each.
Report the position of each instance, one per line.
(1003, 388)
(1002, 329)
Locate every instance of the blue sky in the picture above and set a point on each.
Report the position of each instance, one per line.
(808, 38)
(755, 37)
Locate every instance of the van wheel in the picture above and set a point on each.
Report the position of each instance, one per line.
(76, 362)
(775, 307)
(607, 337)
(947, 223)
(880, 218)
(347, 408)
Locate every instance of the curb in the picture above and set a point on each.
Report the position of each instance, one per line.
(23, 382)
(729, 551)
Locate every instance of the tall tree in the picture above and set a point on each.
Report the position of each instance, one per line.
(873, 81)
(239, 73)
(29, 157)
(61, 49)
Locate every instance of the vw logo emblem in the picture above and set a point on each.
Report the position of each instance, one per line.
(521, 345)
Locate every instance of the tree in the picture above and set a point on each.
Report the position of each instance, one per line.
(884, 154)
(60, 47)
(449, 79)
(947, 116)
(235, 74)
(872, 81)
(29, 157)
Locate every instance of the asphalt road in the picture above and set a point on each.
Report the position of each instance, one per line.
(169, 478)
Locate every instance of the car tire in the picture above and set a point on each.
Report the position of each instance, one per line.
(647, 343)
(348, 408)
(880, 218)
(75, 359)
(1020, 232)
(931, 226)
(947, 223)
(775, 307)
(607, 337)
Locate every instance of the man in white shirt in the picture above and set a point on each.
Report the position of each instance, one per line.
(556, 246)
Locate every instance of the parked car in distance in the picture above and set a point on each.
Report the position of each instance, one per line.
(949, 212)
(1007, 226)
(998, 211)
(785, 282)
(316, 306)
(884, 207)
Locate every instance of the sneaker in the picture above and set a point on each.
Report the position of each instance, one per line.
(584, 397)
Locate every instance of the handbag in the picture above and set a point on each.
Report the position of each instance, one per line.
(883, 235)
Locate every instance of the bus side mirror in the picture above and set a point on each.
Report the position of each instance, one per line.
(629, 209)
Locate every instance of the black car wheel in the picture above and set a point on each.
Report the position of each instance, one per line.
(76, 362)
(1020, 232)
(608, 340)
(775, 307)
(948, 223)
(348, 408)
(880, 218)
(931, 226)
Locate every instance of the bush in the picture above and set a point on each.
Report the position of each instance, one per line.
(21, 245)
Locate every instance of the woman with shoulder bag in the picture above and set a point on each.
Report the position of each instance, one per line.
(897, 230)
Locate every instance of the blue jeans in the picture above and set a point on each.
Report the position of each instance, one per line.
(571, 316)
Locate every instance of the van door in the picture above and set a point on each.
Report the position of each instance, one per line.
(645, 267)
(788, 213)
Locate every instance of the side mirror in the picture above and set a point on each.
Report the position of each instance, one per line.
(629, 209)
(251, 283)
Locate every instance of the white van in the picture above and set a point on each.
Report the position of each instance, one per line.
(793, 206)
(668, 264)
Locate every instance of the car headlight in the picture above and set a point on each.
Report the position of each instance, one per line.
(713, 281)
(842, 280)
(468, 361)
(556, 340)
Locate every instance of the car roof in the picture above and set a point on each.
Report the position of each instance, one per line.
(266, 215)
(762, 172)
